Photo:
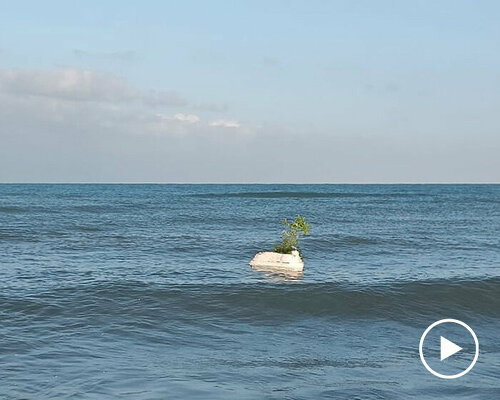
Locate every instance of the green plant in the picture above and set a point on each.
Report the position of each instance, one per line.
(291, 235)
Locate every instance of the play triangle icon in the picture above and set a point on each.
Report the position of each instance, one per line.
(448, 348)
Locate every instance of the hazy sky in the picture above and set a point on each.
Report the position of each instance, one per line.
(250, 91)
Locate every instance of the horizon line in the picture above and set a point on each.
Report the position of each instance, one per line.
(247, 183)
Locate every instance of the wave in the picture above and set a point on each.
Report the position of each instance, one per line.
(27, 210)
(328, 243)
(12, 209)
(268, 195)
(263, 301)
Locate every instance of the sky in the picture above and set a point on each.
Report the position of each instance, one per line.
(250, 91)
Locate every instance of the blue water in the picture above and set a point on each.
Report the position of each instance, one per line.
(145, 292)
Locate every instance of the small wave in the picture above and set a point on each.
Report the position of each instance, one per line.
(17, 236)
(13, 209)
(104, 208)
(268, 302)
(324, 243)
(270, 195)
(28, 209)
(89, 228)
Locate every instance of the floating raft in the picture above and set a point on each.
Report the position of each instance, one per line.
(271, 261)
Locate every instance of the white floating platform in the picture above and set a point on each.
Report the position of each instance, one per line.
(271, 261)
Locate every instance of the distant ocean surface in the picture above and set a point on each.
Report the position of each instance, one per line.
(145, 292)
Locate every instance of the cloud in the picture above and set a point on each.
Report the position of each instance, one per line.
(172, 125)
(177, 124)
(188, 118)
(68, 84)
(59, 126)
(82, 85)
(182, 124)
(225, 123)
(88, 103)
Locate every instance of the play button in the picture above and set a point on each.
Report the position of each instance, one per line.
(449, 348)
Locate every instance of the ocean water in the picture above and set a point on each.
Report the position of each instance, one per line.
(145, 292)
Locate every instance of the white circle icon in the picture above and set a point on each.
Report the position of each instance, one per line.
(448, 348)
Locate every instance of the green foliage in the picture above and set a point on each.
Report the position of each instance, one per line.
(291, 235)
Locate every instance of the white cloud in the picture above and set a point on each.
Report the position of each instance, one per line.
(225, 123)
(73, 84)
(82, 85)
(80, 102)
(69, 84)
(188, 118)
(177, 124)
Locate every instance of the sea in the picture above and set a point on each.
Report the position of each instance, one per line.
(144, 291)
